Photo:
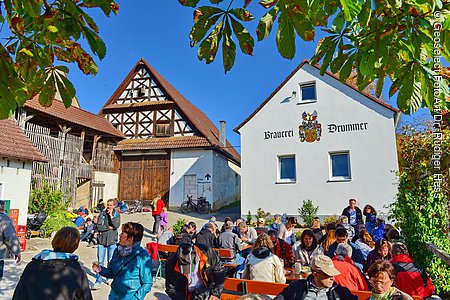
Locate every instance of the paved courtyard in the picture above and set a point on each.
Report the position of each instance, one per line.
(87, 254)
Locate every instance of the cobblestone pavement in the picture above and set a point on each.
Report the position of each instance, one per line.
(87, 254)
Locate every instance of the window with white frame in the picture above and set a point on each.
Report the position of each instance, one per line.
(286, 168)
(308, 92)
(340, 166)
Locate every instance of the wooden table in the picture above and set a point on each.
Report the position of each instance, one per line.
(293, 277)
(246, 246)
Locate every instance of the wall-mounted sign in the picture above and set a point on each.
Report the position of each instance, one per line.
(278, 134)
(333, 128)
(310, 130)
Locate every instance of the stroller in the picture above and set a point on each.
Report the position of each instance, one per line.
(34, 225)
(137, 207)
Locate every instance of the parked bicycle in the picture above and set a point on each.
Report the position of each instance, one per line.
(200, 205)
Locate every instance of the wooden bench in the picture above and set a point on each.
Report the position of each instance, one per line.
(234, 288)
(226, 254)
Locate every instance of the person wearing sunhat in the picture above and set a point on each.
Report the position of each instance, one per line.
(319, 285)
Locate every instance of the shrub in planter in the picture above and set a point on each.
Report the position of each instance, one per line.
(180, 222)
(330, 219)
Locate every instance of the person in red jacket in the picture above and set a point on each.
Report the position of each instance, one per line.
(350, 277)
(411, 278)
(157, 206)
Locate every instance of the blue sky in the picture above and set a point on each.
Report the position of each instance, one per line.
(158, 31)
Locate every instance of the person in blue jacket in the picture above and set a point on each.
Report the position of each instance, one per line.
(130, 267)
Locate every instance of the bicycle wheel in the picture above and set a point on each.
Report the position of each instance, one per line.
(204, 208)
(186, 207)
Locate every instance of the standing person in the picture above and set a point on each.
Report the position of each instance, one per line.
(100, 205)
(9, 243)
(262, 264)
(130, 267)
(157, 206)
(194, 272)
(371, 219)
(164, 219)
(320, 285)
(55, 274)
(353, 213)
(107, 224)
(382, 276)
(286, 231)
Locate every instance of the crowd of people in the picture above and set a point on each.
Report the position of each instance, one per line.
(352, 254)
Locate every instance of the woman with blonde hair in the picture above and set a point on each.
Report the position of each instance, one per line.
(330, 237)
(55, 274)
(262, 264)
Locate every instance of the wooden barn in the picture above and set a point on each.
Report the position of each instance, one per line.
(171, 147)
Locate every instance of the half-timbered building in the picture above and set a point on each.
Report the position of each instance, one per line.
(171, 147)
(78, 146)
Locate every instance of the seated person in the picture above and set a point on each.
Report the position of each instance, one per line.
(167, 238)
(320, 284)
(316, 227)
(282, 249)
(382, 251)
(342, 237)
(206, 236)
(260, 228)
(123, 207)
(351, 277)
(262, 264)
(382, 277)
(100, 205)
(307, 248)
(230, 240)
(88, 232)
(248, 234)
(411, 278)
(83, 210)
(194, 272)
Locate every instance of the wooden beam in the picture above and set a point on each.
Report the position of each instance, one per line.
(438, 252)
(94, 147)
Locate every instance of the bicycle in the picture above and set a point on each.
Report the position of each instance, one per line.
(200, 205)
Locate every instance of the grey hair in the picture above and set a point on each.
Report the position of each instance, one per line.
(254, 297)
(344, 249)
(399, 248)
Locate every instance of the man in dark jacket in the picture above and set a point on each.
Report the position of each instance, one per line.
(107, 224)
(342, 237)
(354, 214)
(319, 285)
(206, 236)
(194, 271)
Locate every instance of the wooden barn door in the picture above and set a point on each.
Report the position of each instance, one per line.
(142, 178)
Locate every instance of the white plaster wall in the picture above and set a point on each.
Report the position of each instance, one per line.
(16, 182)
(373, 154)
(111, 181)
(226, 181)
(185, 162)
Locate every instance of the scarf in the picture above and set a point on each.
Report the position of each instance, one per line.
(385, 296)
(126, 250)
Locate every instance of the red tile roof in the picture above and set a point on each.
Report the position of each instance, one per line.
(15, 144)
(75, 115)
(200, 121)
(328, 73)
(175, 142)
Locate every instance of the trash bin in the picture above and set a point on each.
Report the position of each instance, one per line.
(21, 233)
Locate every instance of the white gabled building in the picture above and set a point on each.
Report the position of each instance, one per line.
(317, 138)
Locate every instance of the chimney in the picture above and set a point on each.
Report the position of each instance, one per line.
(223, 133)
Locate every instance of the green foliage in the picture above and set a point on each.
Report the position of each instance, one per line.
(45, 199)
(180, 222)
(249, 217)
(374, 40)
(421, 206)
(55, 221)
(308, 212)
(260, 213)
(330, 219)
(44, 35)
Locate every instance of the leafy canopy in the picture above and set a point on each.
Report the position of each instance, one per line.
(41, 36)
(378, 39)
